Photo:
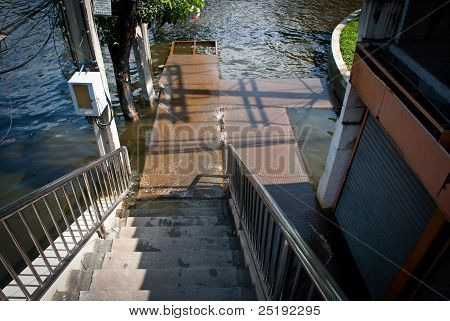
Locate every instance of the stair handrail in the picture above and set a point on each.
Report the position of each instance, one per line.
(68, 210)
(273, 268)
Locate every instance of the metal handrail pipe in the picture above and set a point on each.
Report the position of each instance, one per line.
(323, 280)
(18, 205)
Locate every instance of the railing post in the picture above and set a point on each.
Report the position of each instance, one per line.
(101, 232)
(229, 160)
(3, 296)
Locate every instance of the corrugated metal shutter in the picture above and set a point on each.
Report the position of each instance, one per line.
(383, 208)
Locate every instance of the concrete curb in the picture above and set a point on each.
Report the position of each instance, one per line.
(338, 73)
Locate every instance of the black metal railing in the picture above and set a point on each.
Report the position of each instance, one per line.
(42, 232)
(287, 268)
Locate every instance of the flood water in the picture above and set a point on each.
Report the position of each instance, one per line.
(41, 137)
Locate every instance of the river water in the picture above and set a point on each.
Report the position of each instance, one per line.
(41, 137)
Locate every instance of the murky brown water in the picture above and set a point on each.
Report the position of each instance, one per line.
(269, 39)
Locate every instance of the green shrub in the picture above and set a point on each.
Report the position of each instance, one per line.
(347, 41)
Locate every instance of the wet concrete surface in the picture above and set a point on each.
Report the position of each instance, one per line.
(184, 158)
(258, 125)
(202, 113)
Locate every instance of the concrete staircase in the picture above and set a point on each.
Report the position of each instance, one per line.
(166, 250)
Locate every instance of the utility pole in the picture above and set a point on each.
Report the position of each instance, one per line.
(82, 33)
(142, 54)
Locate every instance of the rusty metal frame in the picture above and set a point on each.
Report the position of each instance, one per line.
(444, 132)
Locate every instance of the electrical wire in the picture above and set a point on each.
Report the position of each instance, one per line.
(67, 29)
(25, 34)
(16, 24)
(111, 118)
(53, 23)
(10, 107)
(4, 71)
(83, 15)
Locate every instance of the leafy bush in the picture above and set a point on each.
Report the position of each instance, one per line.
(347, 41)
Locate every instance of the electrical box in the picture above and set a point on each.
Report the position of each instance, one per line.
(88, 93)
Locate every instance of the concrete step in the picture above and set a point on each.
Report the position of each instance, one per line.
(150, 212)
(179, 278)
(78, 280)
(180, 203)
(201, 294)
(174, 259)
(177, 294)
(168, 221)
(176, 231)
(66, 296)
(175, 244)
(114, 296)
(102, 246)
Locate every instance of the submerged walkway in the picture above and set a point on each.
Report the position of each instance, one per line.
(257, 124)
(185, 154)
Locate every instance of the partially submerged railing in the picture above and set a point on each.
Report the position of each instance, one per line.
(41, 233)
(287, 268)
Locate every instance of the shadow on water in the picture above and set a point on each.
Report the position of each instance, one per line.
(313, 130)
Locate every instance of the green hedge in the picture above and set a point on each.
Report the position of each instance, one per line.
(347, 41)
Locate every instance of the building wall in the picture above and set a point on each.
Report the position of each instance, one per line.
(393, 199)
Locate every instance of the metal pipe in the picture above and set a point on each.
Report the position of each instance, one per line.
(102, 192)
(3, 296)
(15, 277)
(325, 283)
(106, 185)
(111, 185)
(72, 212)
(295, 283)
(36, 243)
(22, 252)
(69, 228)
(47, 234)
(79, 207)
(94, 204)
(98, 198)
(88, 206)
(117, 175)
(274, 264)
(116, 166)
(32, 197)
(111, 172)
(63, 239)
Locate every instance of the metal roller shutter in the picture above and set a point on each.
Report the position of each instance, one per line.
(383, 208)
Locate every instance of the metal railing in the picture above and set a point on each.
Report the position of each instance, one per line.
(287, 268)
(42, 232)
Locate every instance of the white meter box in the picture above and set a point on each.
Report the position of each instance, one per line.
(88, 93)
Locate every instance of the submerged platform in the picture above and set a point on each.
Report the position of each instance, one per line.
(185, 156)
(201, 113)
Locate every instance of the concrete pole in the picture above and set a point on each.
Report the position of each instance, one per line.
(341, 148)
(86, 45)
(141, 48)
